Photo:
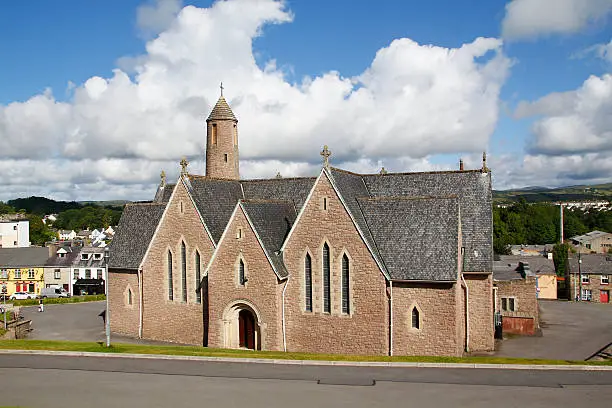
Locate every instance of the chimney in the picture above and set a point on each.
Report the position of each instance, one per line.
(460, 164)
(52, 250)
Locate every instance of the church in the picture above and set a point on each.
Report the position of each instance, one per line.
(378, 264)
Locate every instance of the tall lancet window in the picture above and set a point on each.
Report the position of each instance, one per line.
(308, 282)
(198, 277)
(184, 271)
(241, 275)
(170, 283)
(346, 303)
(214, 134)
(326, 280)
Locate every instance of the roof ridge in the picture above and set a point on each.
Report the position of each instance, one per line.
(279, 179)
(421, 172)
(346, 171)
(151, 203)
(264, 201)
(408, 198)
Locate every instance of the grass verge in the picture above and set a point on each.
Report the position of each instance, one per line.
(210, 352)
(73, 299)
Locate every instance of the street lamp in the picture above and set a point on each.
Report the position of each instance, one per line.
(580, 272)
(107, 317)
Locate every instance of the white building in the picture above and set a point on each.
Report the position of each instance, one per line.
(88, 272)
(15, 234)
(66, 235)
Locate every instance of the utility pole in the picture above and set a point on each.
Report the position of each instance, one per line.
(561, 220)
(580, 271)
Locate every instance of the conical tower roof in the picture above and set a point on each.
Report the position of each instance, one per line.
(221, 111)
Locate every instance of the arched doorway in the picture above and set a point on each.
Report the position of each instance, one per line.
(246, 329)
(242, 326)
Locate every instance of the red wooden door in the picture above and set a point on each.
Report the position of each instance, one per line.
(604, 296)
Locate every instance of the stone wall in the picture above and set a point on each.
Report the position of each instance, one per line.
(124, 317)
(595, 285)
(175, 320)
(480, 311)
(260, 294)
(365, 329)
(523, 291)
(216, 164)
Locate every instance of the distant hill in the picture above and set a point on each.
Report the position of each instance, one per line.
(544, 194)
(42, 205)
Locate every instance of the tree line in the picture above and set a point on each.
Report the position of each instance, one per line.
(532, 224)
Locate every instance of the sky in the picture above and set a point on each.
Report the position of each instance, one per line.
(96, 98)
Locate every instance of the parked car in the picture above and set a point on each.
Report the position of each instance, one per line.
(23, 295)
(54, 293)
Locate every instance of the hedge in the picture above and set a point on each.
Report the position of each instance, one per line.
(48, 301)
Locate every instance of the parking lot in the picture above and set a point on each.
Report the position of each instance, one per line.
(571, 331)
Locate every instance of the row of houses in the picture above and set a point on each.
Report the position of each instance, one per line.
(97, 235)
(79, 270)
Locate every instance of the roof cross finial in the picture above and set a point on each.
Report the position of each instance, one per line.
(221, 86)
(383, 171)
(325, 153)
(163, 178)
(184, 163)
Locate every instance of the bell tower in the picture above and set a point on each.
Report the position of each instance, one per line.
(222, 142)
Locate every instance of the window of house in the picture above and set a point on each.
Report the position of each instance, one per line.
(31, 274)
(75, 274)
(99, 274)
(87, 273)
(508, 304)
(308, 282)
(346, 303)
(57, 274)
(586, 279)
(129, 296)
(214, 134)
(241, 275)
(61, 255)
(588, 246)
(587, 294)
(17, 273)
(605, 279)
(170, 283)
(3, 274)
(239, 233)
(415, 318)
(324, 203)
(225, 157)
(97, 256)
(198, 277)
(326, 280)
(184, 271)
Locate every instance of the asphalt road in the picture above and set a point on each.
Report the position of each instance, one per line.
(571, 331)
(110, 382)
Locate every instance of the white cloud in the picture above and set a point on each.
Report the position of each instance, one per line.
(533, 18)
(413, 101)
(573, 122)
(157, 15)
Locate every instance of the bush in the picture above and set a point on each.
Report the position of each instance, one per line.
(74, 299)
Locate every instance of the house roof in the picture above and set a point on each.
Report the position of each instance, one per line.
(23, 257)
(598, 264)
(134, 233)
(272, 221)
(66, 261)
(509, 267)
(221, 111)
(589, 236)
(417, 238)
(163, 193)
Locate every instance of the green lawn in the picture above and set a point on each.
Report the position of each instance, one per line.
(73, 299)
(209, 352)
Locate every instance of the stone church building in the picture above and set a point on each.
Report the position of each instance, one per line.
(386, 264)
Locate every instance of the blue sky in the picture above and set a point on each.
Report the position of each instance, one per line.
(47, 45)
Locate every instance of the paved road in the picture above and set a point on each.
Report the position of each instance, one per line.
(571, 331)
(104, 382)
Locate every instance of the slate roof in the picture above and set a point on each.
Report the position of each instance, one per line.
(474, 191)
(91, 261)
(221, 111)
(66, 261)
(512, 267)
(589, 236)
(217, 198)
(272, 221)
(416, 237)
(163, 193)
(23, 257)
(134, 233)
(596, 264)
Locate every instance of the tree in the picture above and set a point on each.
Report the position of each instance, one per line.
(560, 255)
(39, 232)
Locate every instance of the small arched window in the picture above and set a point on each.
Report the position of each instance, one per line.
(346, 303)
(241, 275)
(308, 282)
(416, 324)
(326, 280)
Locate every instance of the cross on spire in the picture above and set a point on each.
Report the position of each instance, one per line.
(325, 153)
(184, 163)
(221, 86)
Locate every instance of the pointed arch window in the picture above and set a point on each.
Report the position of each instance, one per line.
(346, 303)
(241, 275)
(170, 282)
(214, 133)
(416, 323)
(308, 282)
(184, 271)
(326, 280)
(198, 278)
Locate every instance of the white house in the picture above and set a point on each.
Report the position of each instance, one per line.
(15, 234)
(66, 235)
(95, 234)
(88, 273)
(110, 231)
